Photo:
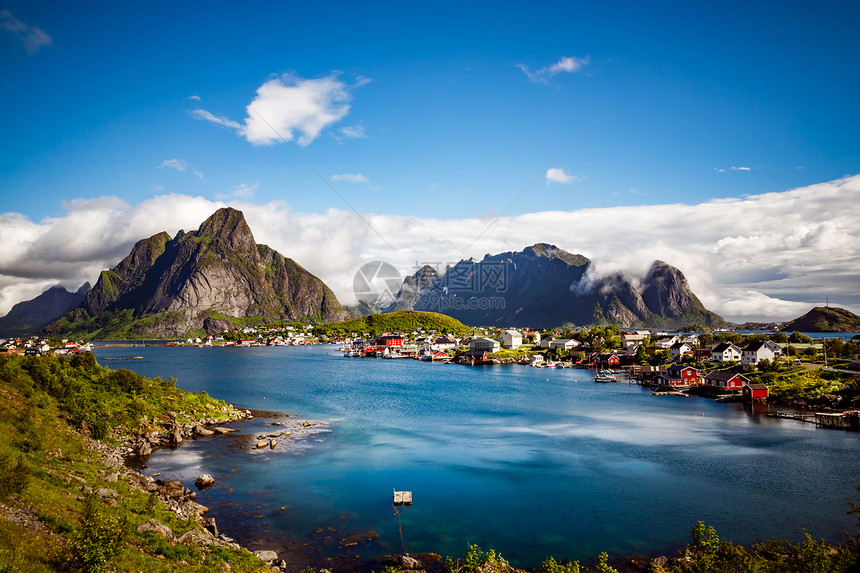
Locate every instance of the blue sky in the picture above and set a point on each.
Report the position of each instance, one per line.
(443, 111)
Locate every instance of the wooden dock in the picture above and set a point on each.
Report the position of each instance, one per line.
(402, 497)
(849, 420)
(839, 420)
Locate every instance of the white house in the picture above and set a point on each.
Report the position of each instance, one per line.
(443, 343)
(678, 350)
(692, 340)
(666, 342)
(563, 344)
(725, 352)
(633, 338)
(755, 352)
(485, 345)
(511, 339)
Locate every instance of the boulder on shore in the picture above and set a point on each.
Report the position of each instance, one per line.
(266, 556)
(156, 527)
(204, 481)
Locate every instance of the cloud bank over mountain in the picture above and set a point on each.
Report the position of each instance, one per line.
(765, 257)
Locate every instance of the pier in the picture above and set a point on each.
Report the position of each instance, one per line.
(402, 497)
(849, 420)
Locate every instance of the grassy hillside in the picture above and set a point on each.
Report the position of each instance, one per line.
(61, 509)
(402, 321)
(825, 319)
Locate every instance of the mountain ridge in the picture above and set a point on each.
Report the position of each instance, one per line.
(28, 316)
(545, 286)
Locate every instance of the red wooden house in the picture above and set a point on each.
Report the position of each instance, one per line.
(725, 382)
(756, 393)
(605, 359)
(678, 375)
(390, 340)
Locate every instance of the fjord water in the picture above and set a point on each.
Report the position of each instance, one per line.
(531, 462)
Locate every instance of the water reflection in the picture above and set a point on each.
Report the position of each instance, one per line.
(531, 463)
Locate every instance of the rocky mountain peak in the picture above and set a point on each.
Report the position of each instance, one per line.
(545, 250)
(211, 279)
(666, 291)
(228, 225)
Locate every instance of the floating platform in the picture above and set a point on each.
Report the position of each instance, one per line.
(402, 497)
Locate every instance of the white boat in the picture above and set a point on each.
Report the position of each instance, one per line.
(604, 376)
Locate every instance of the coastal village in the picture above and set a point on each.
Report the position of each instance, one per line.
(726, 366)
(723, 365)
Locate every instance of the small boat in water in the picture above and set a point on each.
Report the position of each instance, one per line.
(604, 376)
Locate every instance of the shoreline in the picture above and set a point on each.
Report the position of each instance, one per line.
(181, 500)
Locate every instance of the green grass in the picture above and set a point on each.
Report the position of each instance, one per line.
(44, 464)
(793, 383)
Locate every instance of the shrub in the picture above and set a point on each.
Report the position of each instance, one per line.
(14, 474)
(550, 565)
(99, 538)
(473, 560)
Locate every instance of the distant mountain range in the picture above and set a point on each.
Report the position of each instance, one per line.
(219, 278)
(29, 316)
(825, 319)
(545, 286)
(206, 280)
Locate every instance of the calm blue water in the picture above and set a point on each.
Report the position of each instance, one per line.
(532, 462)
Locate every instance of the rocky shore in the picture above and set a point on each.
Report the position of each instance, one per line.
(172, 493)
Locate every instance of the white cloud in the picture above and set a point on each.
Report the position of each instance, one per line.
(194, 97)
(733, 168)
(352, 132)
(764, 257)
(555, 175)
(287, 106)
(216, 119)
(33, 38)
(565, 64)
(245, 190)
(180, 165)
(351, 178)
